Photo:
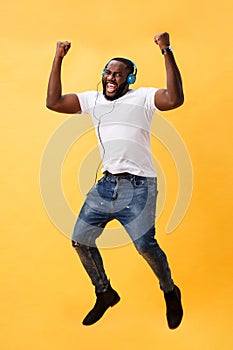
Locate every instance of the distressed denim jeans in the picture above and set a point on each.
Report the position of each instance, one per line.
(131, 200)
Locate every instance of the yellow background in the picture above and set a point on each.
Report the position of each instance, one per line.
(45, 292)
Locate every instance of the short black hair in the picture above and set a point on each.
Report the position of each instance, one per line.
(129, 64)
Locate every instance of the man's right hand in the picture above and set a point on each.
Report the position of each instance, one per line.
(62, 48)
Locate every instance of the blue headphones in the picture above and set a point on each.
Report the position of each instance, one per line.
(131, 78)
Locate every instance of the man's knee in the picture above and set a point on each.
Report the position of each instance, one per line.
(141, 246)
(144, 245)
(75, 244)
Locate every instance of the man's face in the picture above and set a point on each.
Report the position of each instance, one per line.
(114, 80)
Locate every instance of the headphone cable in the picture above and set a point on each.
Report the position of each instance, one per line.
(98, 128)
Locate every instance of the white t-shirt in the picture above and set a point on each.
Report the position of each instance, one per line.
(123, 129)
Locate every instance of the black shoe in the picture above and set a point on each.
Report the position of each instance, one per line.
(103, 302)
(174, 308)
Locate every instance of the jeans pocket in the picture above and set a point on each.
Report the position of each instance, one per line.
(145, 182)
(100, 181)
(140, 181)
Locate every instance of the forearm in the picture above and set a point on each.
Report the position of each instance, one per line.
(172, 96)
(174, 89)
(54, 92)
(55, 101)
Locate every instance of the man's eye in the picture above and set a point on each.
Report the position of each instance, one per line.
(118, 75)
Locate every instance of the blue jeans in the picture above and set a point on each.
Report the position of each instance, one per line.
(131, 200)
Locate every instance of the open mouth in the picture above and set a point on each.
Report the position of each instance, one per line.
(111, 88)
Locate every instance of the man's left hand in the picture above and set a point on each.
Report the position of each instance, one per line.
(162, 39)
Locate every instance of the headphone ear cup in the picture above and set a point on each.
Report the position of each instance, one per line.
(103, 72)
(131, 79)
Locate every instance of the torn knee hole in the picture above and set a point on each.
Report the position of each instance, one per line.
(75, 244)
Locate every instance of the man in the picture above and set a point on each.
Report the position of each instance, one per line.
(128, 190)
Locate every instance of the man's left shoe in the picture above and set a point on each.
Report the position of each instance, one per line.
(174, 307)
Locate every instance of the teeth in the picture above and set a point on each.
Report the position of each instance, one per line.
(111, 87)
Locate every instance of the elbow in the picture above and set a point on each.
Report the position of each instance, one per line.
(180, 101)
(170, 102)
(50, 106)
(177, 102)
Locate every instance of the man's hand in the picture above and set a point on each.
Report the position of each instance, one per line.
(162, 39)
(62, 48)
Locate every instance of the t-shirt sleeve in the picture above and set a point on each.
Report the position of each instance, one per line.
(150, 99)
(86, 100)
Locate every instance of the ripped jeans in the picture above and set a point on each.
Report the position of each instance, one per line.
(131, 200)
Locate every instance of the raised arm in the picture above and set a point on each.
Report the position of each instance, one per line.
(55, 100)
(171, 97)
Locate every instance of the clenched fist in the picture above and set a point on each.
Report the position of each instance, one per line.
(162, 39)
(62, 48)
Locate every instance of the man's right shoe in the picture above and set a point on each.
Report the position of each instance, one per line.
(103, 301)
(174, 307)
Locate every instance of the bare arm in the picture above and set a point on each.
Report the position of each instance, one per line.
(173, 96)
(55, 100)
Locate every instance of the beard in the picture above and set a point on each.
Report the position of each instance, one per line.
(120, 91)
